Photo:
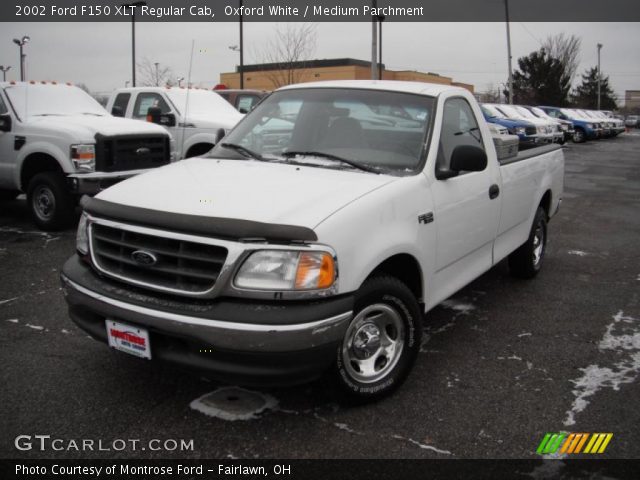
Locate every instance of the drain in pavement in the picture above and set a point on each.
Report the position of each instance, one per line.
(234, 403)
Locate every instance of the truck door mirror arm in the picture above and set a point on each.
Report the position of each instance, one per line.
(155, 115)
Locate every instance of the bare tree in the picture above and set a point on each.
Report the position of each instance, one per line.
(288, 51)
(154, 74)
(491, 94)
(566, 49)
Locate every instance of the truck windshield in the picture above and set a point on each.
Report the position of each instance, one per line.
(492, 111)
(540, 113)
(42, 100)
(524, 112)
(372, 130)
(200, 102)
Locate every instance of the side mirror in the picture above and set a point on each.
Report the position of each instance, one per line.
(5, 122)
(155, 115)
(464, 158)
(243, 110)
(117, 111)
(219, 135)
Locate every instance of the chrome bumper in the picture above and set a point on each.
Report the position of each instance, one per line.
(212, 333)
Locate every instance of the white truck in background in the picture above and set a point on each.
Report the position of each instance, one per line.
(193, 116)
(313, 237)
(57, 143)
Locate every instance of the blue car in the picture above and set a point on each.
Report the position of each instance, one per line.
(585, 129)
(527, 132)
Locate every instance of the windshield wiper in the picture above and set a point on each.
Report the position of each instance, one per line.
(244, 151)
(470, 132)
(330, 156)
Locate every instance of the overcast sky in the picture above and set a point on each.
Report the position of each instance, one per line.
(99, 54)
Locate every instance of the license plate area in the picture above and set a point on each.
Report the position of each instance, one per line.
(128, 339)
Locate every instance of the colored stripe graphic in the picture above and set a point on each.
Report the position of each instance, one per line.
(596, 443)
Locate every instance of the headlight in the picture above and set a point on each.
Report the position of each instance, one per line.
(287, 270)
(520, 130)
(82, 237)
(590, 125)
(564, 127)
(84, 157)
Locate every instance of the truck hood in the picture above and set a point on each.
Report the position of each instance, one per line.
(244, 189)
(226, 121)
(83, 128)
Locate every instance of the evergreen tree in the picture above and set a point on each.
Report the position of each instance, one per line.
(586, 94)
(541, 80)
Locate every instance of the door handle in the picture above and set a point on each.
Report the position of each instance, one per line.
(494, 191)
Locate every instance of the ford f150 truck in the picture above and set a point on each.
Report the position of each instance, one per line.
(313, 243)
(57, 143)
(192, 116)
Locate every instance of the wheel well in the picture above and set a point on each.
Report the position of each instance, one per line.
(198, 149)
(545, 203)
(406, 269)
(37, 163)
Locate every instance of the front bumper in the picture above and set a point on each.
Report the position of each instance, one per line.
(95, 182)
(251, 342)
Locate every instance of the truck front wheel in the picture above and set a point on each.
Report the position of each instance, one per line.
(526, 261)
(50, 202)
(382, 341)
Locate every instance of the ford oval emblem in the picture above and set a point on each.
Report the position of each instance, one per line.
(143, 151)
(144, 258)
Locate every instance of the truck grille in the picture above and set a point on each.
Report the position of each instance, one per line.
(531, 130)
(132, 152)
(172, 265)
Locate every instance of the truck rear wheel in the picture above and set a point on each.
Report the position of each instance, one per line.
(526, 261)
(51, 204)
(381, 342)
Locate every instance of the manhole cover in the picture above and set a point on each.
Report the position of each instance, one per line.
(233, 403)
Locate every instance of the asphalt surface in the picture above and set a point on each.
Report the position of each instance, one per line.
(503, 362)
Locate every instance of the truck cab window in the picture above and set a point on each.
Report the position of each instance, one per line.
(144, 101)
(459, 127)
(120, 104)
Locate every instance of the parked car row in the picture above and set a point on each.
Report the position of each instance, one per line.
(57, 143)
(632, 121)
(544, 124)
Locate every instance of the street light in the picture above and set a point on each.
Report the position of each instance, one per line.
(506, 11)
(133, 6)
(180, 80)
(599, 74)
(4, 72)
(380, 20)
(157, 78)
(21, 43)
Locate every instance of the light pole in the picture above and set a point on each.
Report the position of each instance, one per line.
(133, 7)
(599, 74)
(21, 43)
(157, 78)
(374, 44)
(180, 79)
(380, 20)
(241, 50)
(4, 72)
(506, 11)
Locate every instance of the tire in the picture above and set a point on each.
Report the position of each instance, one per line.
(51, 204)
(526, 261)
(579, 136)
(8, 195)
(386, 312)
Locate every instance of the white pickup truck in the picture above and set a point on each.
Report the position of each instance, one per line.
(312, 237)
(57, 143)
(193, 116)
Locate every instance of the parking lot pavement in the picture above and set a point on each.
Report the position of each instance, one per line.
(503, 361)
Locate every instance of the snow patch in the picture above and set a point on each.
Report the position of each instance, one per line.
(525, 334)
(422, 445)
(234, 403)
(624, 342)
(578, 253)
(35, 327)
(66, 332)
(457, 306)
(13, 320)
(8, 300)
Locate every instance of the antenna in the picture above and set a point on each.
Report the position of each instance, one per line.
(186, 107)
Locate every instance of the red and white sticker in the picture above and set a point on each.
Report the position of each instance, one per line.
(128, 339)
